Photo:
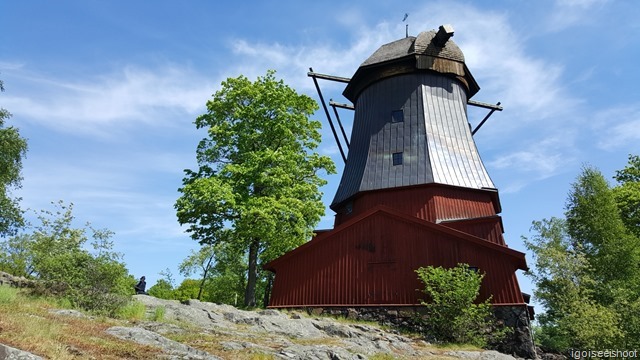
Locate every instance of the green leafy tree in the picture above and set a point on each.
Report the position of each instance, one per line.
(188, 289)
(258, 175)
(222, 268)
(56, 254)
(594, 222)
(452, 314)
(16, 257)
(627, 194)
(13, 149)
(199, 261)
(565, 286)
(228, 279)
(587, 270)
(162, 289)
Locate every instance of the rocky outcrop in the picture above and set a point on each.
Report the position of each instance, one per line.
(283, 335)
(285, 332)
(173, 349)
(519, 342)
(292, 335)
(9, 353)
(15, 281)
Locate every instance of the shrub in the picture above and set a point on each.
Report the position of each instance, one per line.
(452, 315)
(56, 254)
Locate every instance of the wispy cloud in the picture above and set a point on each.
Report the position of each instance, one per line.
(617, 127)
(117, 191)
(293, 61)
(100, 104)
(567, 13)
(504, 70)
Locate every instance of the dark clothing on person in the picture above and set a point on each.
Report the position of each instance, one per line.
(140, 287)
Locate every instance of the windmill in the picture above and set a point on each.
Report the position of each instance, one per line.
(414, 191)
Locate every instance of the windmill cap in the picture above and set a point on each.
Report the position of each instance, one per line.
(431, 50)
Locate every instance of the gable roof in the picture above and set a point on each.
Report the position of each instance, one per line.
(517, 256)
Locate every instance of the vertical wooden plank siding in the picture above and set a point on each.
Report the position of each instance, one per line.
(374, 260)
(431, 203)
(488, 228)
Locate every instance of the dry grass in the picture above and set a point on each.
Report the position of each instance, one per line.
(26, 324)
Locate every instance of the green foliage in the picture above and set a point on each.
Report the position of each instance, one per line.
(188, 289)
(13, 148)
(452, 315)
(16, 257)
(257, 185)
(627, 194)
(594, 222)
(55, 254)
(162, 290)
(588, 269)
(202, 261)
(222, 268)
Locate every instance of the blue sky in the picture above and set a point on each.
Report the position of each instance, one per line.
(106, 92)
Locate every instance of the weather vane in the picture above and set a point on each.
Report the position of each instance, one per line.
(406, 15)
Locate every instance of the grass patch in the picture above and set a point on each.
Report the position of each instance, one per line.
(382, 356)
(457, 347)
(262, 356)
(27, 324)
(134, 310)
(158, 314)
(7, 294)
(332, 341)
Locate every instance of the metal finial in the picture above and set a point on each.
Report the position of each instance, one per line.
(406, 15)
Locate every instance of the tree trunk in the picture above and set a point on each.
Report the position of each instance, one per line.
(252, 277)
(204, 277)
(267, 290)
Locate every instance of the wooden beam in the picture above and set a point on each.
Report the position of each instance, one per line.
(328, 77)
(340, 105)
(484, 105)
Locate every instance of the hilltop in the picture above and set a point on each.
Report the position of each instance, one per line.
(199, 330)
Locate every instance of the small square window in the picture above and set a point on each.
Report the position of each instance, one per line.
(397, 158)
(397, 116)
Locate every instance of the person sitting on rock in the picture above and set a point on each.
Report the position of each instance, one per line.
(142, 284)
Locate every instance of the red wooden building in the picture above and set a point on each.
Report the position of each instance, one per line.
(414, 191)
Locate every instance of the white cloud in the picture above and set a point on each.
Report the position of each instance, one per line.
(505, 72)
(617, 127)
(567, 13)
(100, 104)
(534, 161)
(538, 161)
(496, 55)
(293, 61)
(117, 193)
